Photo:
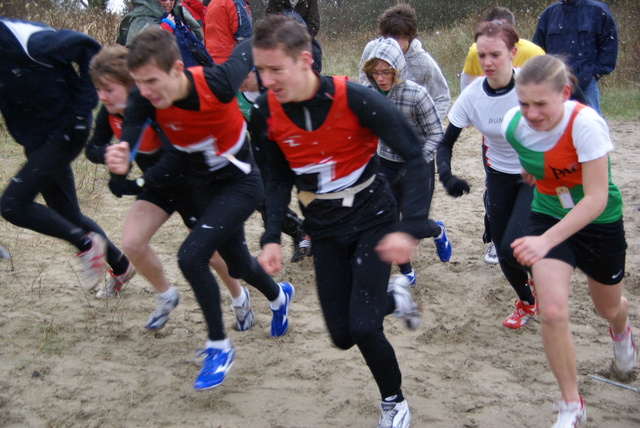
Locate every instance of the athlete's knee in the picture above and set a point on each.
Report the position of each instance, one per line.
(341, 338)
(553, 315)
(363, 333)
(134, 248)
(505, 253)
(10, 210)
(611, 311)
(240, 269)
(191, 261)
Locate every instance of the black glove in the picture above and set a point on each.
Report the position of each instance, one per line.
(126, 187)
(455, 186)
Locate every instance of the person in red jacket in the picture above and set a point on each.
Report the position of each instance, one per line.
(227, 22)
(197, 9)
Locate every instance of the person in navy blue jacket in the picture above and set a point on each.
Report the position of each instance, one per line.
(585, 32)
(47, 105)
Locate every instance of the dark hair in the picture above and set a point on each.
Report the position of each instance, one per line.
(154, 46)
(399, 21)
(279, 31)
(499, 29)
(544, 68)
(499, 13)
(111, 63)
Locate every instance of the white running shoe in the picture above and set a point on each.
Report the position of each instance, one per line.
(160, 315)
(625, 352)
(394, 415)
(244, 313)
(116, 283)
(406, 308)
(570, 414)
(491, 256)
(92, 261)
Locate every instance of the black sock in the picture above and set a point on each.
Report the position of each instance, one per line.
(83, 244)
(120, 265)
(396, 398)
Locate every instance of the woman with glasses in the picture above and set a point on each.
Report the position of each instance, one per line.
(386, 71)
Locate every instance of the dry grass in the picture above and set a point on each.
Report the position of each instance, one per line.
(343, 44)
(620, 91)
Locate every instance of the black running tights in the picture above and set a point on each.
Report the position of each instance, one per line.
(352, 288)
(224, 206)
(48, 172)
(508, 203)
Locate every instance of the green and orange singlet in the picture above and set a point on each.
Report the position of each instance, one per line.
(557, 169)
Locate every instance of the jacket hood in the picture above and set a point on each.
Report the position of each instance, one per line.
(415, 49)
(389, 50)
(147, 8)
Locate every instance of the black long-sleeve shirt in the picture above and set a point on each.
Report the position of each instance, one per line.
(224, 81)
(373, 206)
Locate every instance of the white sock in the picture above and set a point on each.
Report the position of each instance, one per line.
(224, 344)
(239, 301)
(279, 301)
(622, 336)
(169, 294)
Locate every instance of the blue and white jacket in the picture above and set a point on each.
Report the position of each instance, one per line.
(41, 90)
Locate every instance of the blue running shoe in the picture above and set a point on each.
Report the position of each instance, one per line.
(280, 321)
(215, 365)
(443, 246)
(411, 276)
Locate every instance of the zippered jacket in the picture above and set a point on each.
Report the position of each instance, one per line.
(44, 80)
(585, 31)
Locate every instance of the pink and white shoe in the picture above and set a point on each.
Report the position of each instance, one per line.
(570, 414)
(625, 351)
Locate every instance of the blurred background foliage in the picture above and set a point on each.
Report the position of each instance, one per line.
(446, 30)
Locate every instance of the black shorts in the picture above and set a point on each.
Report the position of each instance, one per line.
(599, 249)
(171, 201)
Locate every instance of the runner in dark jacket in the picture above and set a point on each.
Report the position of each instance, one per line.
(47, 106)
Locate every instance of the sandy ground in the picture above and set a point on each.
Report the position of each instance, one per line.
(69, 360)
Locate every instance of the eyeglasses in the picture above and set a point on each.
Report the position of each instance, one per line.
(384, 73)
